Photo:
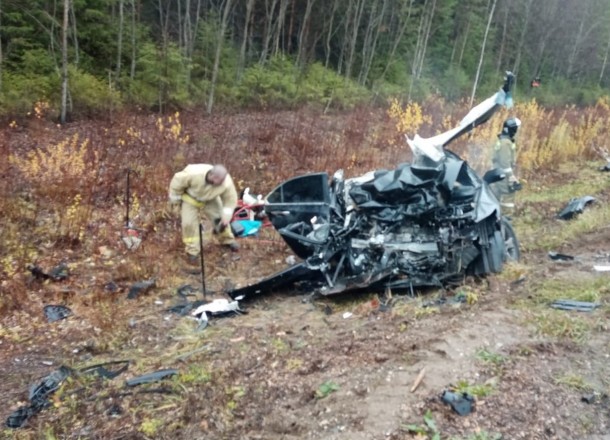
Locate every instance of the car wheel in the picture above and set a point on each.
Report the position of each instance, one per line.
(511, 243)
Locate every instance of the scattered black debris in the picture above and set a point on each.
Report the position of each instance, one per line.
(579, 306)
(39, 397)
(185, 308)
(574, 207)
(460, 298)
(187, 290)
(461, 403)
(114, 411)
(106, 369)
(56, 313)
(111, 287)
(140, 288)
(58, 273)
(151, 377)
(519, 281)
(560, 257)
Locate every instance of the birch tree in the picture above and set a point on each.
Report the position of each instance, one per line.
(64, 62)
(476, 79)
(226, 8)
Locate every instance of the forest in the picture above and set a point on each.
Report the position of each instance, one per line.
(87, 57)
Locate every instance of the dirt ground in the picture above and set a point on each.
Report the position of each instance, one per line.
(292, 367)
(260, 375)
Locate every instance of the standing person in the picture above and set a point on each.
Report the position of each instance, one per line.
(505, 157)
(210, 188)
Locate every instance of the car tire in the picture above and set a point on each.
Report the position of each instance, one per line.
(512, 252)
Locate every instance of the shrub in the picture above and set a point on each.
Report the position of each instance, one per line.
(270, 85)
(90, 94)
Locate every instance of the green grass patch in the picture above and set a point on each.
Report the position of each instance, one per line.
(589, 290)
(326, 389)
(477, 390)
(562, 325)
(574, 381)
(541, 203)
(489, 357)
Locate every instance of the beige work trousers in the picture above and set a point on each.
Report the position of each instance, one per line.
(190, 223)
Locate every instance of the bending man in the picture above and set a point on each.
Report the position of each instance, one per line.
(210, 188)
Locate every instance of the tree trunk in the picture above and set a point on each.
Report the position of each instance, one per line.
(397, 40)
(1, 53)
(417, 49)
(268, 33)
(605, 61)
(64, 63)
(120, 41)
(75, 37)
(221, 37)
(476, 79)
(302, 49)
(503, 39)
(242, 51)
(291, 27)
(329, 35)
(577, 42)
(371, 50)
(279, 26)
(426, 40)
(465, 40)
(522, 36)
(354, 37)
(132, 71)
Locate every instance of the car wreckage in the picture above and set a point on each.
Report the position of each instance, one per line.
(425, 223)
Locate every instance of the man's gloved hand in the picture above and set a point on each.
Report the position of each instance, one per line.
(513, 184)
(220, 226)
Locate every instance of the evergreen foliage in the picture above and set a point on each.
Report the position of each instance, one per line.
(283, 53)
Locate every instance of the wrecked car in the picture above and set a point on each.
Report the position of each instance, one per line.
(424, 223)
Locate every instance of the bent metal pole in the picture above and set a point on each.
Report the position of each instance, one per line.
(202, 262)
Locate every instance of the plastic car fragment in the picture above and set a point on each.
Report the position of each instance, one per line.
(579, 306)
(216, 308)
(107, 370)
(58, 273)
(461, 403)
(560, 257)
(151, 377)
(140, 288)
(56, 313)
(574, 207)
(39, 397)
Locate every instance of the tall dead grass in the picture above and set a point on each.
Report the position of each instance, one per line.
(70, 181)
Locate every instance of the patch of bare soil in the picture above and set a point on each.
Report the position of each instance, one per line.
(295, 369)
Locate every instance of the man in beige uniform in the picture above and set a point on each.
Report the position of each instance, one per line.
(211, 188)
